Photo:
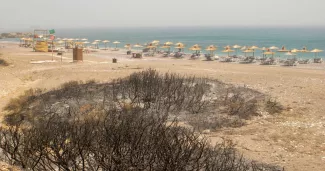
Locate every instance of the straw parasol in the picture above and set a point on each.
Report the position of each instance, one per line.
(243, 48)
(248, 51)
(179, 46)
(294, 50)
(155, 42)
(168, 43)
(151, 46)
(166, 47)
(304, 50)
(253, 48)
(127, 46)
(227, 50)
(95, 43)
(316, 51)
(211, 48)
(273, 48)
(283, 49)
(96, 40)
(84, 39)
(290, 54)
(236, 47)
(116, 42)
(269, 52)
(195, 48)
(137, 45)
(105, 42)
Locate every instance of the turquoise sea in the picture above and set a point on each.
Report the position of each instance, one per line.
(261, 37)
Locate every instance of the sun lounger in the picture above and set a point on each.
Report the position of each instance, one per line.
(318, 60)
(247, 60)
(269, 61)
(208, 57)
(305, 61)
(290, 63)
(178, 55)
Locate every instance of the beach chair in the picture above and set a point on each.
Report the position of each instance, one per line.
(318, 60)
(208, 57)
(305, 61)
(290, 62)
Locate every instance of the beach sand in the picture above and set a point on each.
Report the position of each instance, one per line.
(294, 139)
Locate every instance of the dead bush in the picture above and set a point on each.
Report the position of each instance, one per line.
(122, 125)
(272, 106)
(3, 62)
(237, 104)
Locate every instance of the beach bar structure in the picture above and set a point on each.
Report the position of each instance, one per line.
(40, 40)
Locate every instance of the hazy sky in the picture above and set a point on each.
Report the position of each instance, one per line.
(153, 13)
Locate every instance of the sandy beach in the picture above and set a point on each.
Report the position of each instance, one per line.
(294, 139)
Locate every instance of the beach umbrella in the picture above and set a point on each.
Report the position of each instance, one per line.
(96, 40)
(127, 46)
(273, 48)
(105, 42)
(243, 48)
(151, 46)
(253, 48)
(316, 51)
(283, 49)
(179, 46)
(248, 51)
(155, 42)
(294, 50)
(304, 50)
(86, 42)
(195, 48)
(236, 47)
(228, 51)
(84, 39)
(211, 48)
(290, 54)
(166, 47)
(116, 42)
(168, 43)
(269, 52)
(95, 44)
(137, 45)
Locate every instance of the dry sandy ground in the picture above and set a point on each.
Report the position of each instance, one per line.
(294, 139)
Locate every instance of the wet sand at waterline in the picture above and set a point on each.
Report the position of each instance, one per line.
(294, 139)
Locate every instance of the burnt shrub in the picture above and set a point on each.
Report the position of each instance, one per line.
(128, 124)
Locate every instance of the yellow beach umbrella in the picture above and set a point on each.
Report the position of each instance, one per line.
(116, 42)
(155, 42)
(211, 48)
(253, 48)
(248, 51)
(316, 51)
(105, 42)
(236, 47)
(168, 43)
(304, 50)
(294, 50)
(195, 47)
(273, 48)
(228, 51)
(283, 49)
(179, 46)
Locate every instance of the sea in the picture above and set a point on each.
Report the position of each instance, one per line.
(204, 36)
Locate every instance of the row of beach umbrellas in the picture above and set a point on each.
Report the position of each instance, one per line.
(211, 48)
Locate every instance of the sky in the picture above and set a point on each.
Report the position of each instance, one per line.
(27, 14)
